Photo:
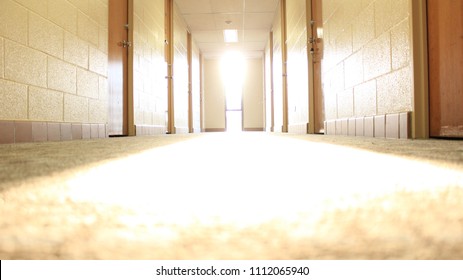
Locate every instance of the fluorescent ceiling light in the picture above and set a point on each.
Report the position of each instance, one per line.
(230, 35)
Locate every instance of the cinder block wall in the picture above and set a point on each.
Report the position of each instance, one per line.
(214, 96)
(367, 68)
(253, 95)
(196, 87)
(180, 72)
(53, 60)
(150, 68)
(277, 72)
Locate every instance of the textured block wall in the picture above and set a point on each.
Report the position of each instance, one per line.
(268, 86)
(253, 95)
(150, 68)
(277, 72)
(180, 72)
(196, 87)
(367, 67)
(214, 95)
(53, 60)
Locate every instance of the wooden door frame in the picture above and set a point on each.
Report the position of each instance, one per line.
(284, 54)
(128, 123)
(130, 97)
(169, 27)
(314, 104)
(420, 85)
(309, 17)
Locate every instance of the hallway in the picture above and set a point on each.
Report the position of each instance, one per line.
(232, 196)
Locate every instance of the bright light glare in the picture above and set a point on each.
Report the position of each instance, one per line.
(230, 35)
(233, 68)
(233, 72)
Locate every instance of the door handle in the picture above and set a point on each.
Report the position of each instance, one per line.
(125, 44)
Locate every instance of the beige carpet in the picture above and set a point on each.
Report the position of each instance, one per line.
(232, 196)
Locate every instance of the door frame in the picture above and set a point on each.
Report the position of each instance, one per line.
(128, 123)
(316, 109)
(169, 53)
(284, 68)
(130, 94)
(420, 85)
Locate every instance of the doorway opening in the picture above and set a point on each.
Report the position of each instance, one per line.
(233, 73)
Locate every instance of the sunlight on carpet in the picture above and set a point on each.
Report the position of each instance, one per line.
(233, 178)
(235, 196)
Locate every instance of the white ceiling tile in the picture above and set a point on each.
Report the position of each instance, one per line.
(194, 6)
(227, 6)
(236, 21)
(200, 21)
(211, 36)
(258, 20)
(207, 19)
(210, 47)
(261, 6)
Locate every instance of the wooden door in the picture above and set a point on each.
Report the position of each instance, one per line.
(169, 54)
(445, 46)
(316, 50)
(118, 67)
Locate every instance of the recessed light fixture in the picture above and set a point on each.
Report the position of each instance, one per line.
(230, 35)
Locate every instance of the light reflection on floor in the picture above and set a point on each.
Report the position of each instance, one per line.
(230, 176)
(257, 195)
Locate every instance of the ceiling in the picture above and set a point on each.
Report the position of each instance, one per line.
(207, 19)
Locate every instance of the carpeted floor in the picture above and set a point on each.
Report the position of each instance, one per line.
(232, 196)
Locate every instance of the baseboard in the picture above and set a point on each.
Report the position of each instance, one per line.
(182, 130)
(144, 130)
(12, 132)
(253, 129)
(300, 128)
(390, 126)
(215, 130)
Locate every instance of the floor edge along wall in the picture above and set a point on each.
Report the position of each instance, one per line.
(12, 132)
(390, 126)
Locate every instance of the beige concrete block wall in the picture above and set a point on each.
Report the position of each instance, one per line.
(2, 59)
(297, 66)
(150, 69)
(196, 88)
(277, 73)
(268, 87)
(180, 72)
(214, 95)
(53, 60)
(366, 66)
(253, 95)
